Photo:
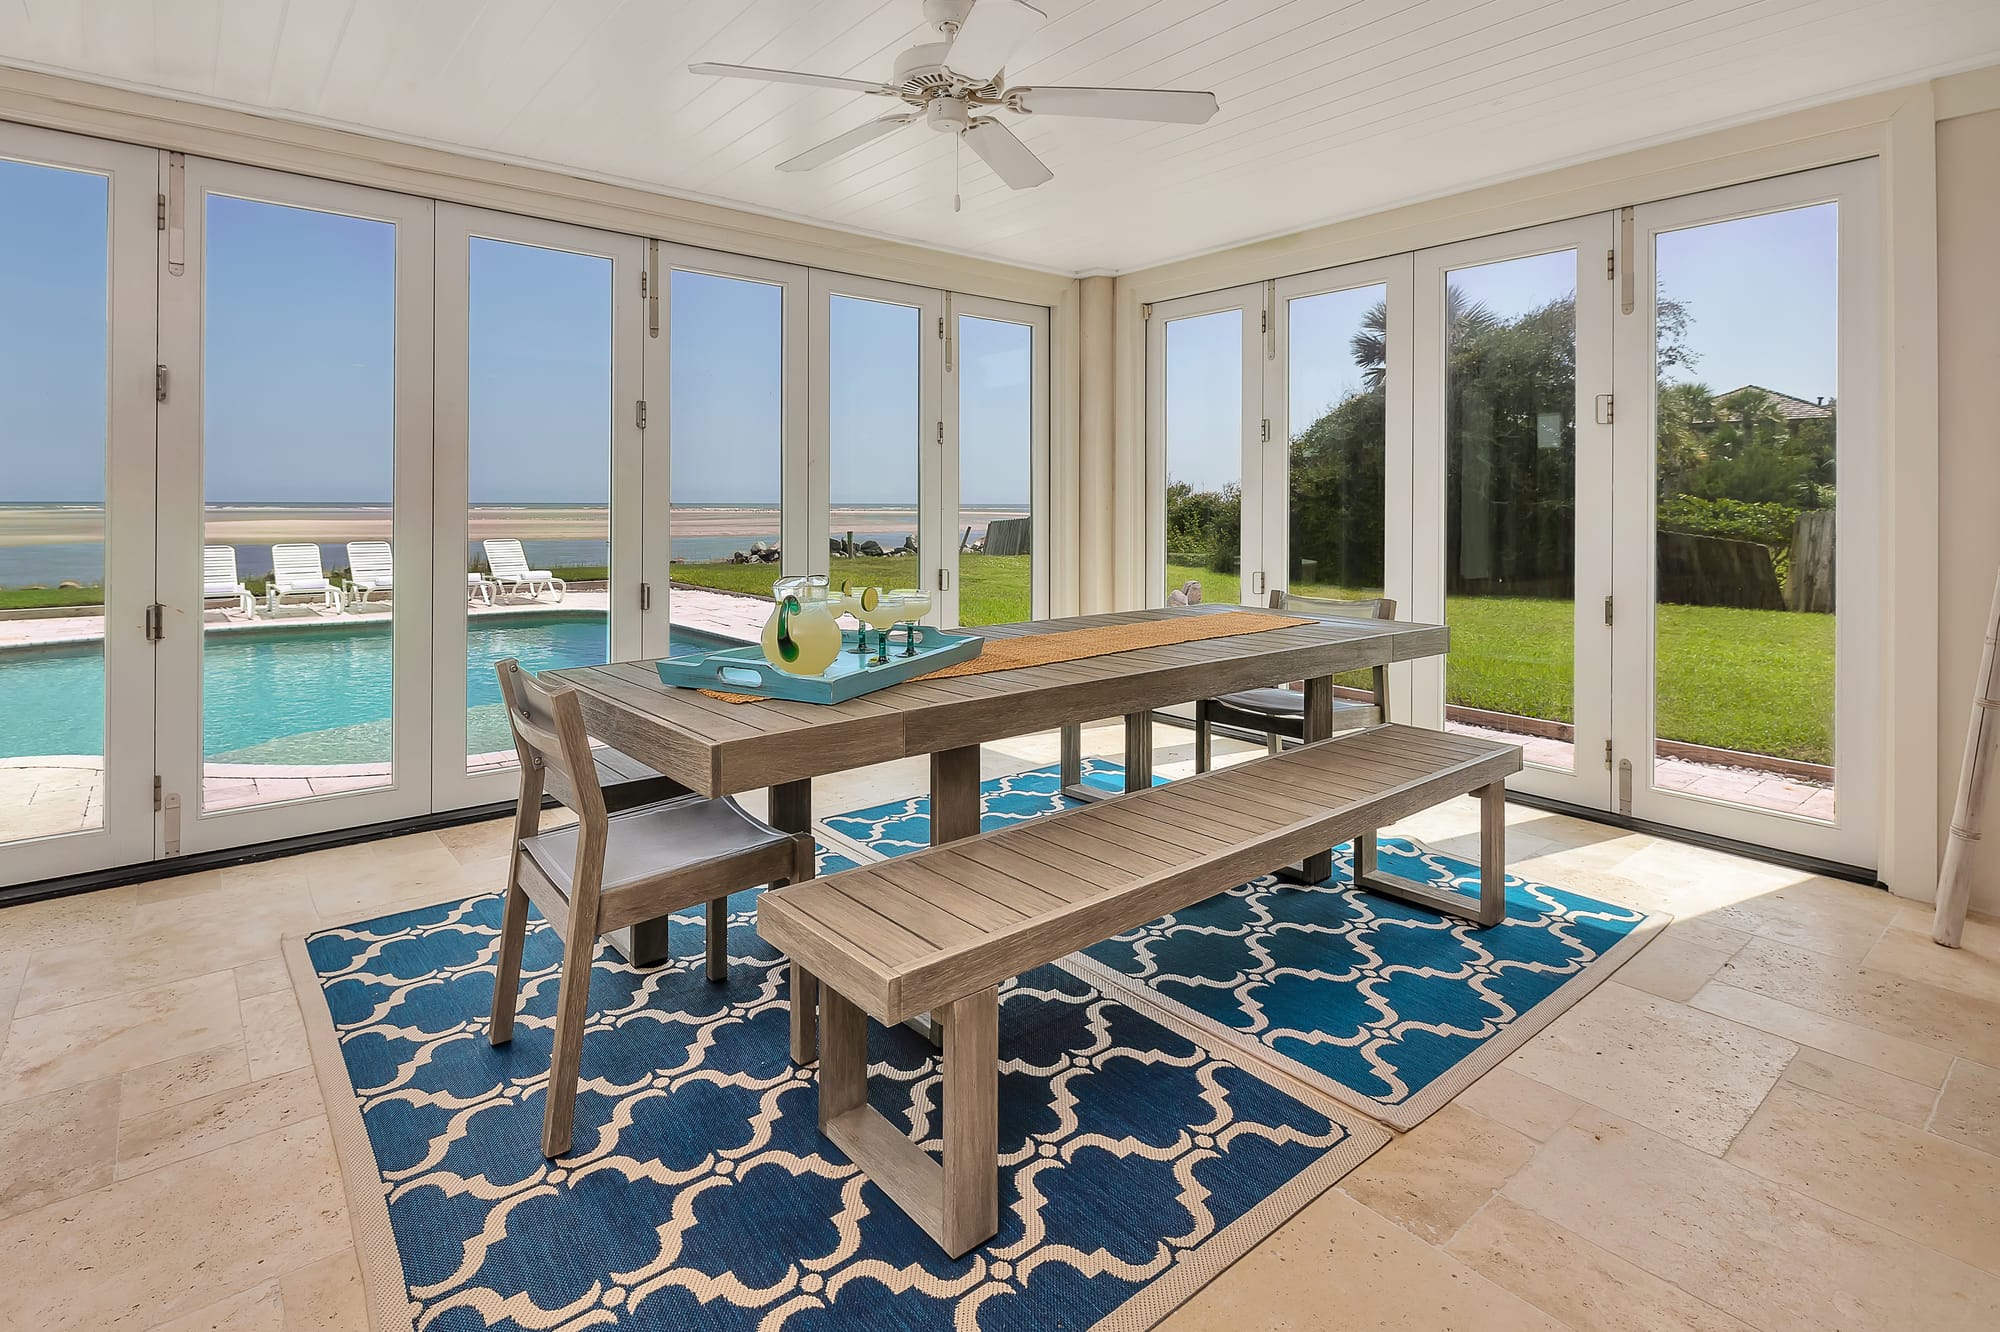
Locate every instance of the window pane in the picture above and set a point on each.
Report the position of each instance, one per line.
(996, 385)
(538, 454)
(1204, 442)
(1510, 518)
(298, 439)
(875, 437)
(1338, 361)
(727, 428)
(1745, 432)
(54, 290)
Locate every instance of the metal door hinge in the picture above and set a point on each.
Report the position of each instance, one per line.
(645, 596)
(156, 622)
(1607, 754)
(944, 580)
(159, 383)
(160, 213)
(1263, 321)
(1607, 610)
(1610, 264)
(1146, 310)
(640, 414)
(940, 328)
(940, 434)
(1606, 409)
(1267, 430)
(156, 793)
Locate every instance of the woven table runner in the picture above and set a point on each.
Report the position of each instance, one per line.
(1011, 654)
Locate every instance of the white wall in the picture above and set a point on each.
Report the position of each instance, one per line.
(1968, 226)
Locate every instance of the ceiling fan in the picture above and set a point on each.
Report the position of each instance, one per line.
(948, 85)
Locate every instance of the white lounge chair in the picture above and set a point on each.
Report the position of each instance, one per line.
(219, 581)
(296, 572)
(511, 574)
(370, 569)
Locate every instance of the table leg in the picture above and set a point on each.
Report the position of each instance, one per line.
(954, 794)
(1138, 750)
(1318, 725)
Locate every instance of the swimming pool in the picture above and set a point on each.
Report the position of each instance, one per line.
(309, 694)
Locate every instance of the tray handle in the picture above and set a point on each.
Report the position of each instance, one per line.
(738, 674)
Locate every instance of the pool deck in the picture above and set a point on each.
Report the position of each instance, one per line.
(49, 795)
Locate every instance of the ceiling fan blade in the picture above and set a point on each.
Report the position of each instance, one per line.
(1173, 108)
(1018, 168)
(788, 76)
(990, 35)
(843, 144)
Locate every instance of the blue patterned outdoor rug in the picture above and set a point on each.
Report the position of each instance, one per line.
(1137, 1163)
(1387, 1007)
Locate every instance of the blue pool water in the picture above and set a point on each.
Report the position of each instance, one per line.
(311, 694)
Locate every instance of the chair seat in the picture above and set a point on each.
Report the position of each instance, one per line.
(303, 585)
(375, 584)
(222, 589)
(656, 840)
(1290, 704)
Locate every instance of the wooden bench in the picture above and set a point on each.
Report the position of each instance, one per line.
(938, 930)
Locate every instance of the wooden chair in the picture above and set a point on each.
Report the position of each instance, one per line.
(607, 871)
(1280, 713)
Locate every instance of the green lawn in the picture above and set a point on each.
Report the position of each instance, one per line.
(21, 598)
(992, 589)
(1757, 681)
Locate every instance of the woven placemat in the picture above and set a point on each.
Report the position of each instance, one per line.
(1011, 654)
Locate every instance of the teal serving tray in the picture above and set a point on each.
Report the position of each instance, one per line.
(745, 671)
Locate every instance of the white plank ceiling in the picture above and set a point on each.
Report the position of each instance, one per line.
(1329, 109)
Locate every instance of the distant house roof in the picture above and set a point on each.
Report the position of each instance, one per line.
(1792, 409)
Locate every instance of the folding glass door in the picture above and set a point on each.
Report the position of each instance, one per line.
(878, 441)
(77, 329)
(1205, 435)
(540, 353)
(1747, 631)
(294, 554)
(992, 479)
(1513, 497)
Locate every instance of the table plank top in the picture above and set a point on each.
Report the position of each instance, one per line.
(720, 748)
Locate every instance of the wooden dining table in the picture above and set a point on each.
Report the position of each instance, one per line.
(717, 747)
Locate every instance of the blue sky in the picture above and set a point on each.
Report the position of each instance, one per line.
(299, 340)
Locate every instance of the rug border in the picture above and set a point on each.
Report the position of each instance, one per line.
(386, 1287)
(1447, 1087)
(382, 1279)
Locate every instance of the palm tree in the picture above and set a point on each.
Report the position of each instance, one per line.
(1683, 446)
(1464, 318)
(1753, 408)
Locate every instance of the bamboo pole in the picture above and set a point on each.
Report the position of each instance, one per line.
(1967, 816)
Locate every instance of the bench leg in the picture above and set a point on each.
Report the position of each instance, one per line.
(718, 938)
(805, 1015)
(1492, 908)
(1071, 763)
(958, 1203)
(1318, 725)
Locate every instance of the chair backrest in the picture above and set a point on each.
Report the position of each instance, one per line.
(218, 566)
(506, 558)
(297, 563)
(1362, 608)
(553, 747)
(370, 560)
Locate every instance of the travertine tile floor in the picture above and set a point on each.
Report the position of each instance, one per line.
(1785, 1113)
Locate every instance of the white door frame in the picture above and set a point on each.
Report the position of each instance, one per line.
(1853, 839)
(929, 305)
(1591, 237)
(795, 491)
(126, 833)
(959, 306)
(181, 519)
(453, 787)
(1396, 274)
(1251, 302)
